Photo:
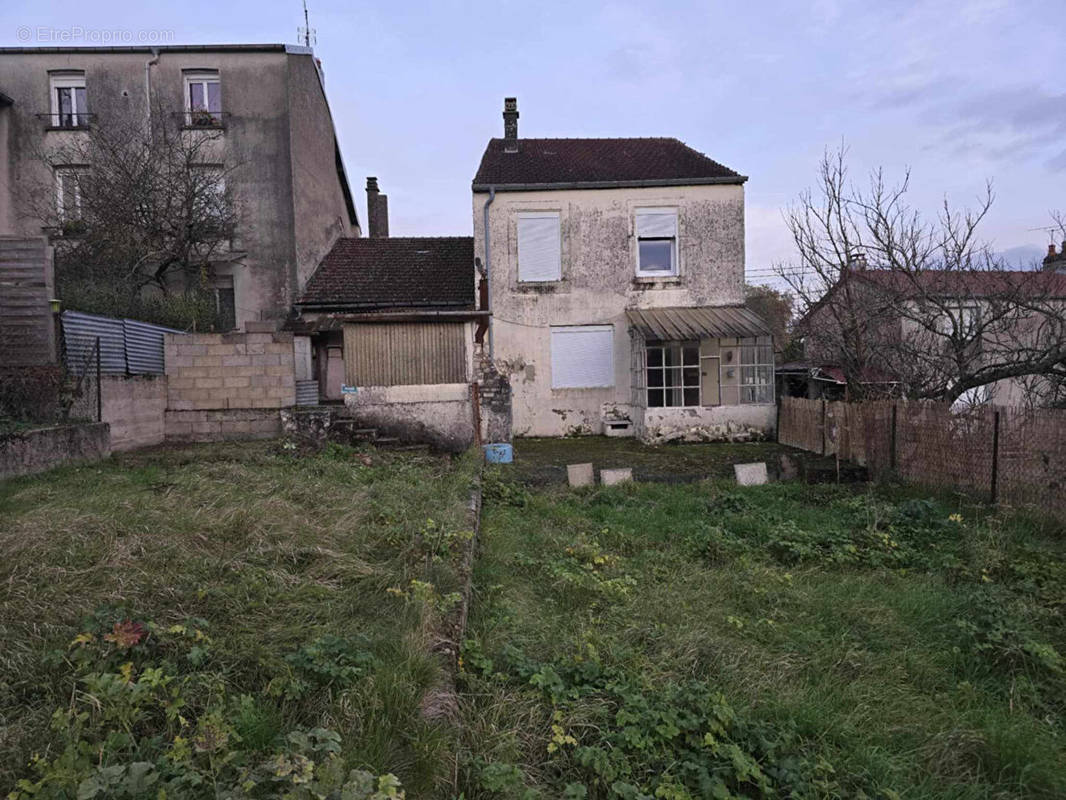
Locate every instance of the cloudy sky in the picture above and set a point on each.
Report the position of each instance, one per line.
(959, 91)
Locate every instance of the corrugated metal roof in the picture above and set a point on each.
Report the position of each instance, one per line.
(703, 322)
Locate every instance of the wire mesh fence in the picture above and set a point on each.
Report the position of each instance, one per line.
(1011, 455)
(84, 376)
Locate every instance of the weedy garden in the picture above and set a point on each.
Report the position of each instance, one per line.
(230, 621)
(789, 640)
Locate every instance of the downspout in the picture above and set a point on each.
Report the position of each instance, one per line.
(488, 270)
(148, 86)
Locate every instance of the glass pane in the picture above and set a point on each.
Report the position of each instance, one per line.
(673, 397)
(655, 377)
(672, 356)
(655, 357)
(196, 96)
(766, 375)
(747, 355)
(691, 376)
(692, 397)
(79, 100)
(656, 255)
(673, 376)
(64, 103)
(692, 356)
(214, 97)
(766, 355)
(655, 398)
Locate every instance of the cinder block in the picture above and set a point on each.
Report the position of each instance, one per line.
(612, 477)
(580, 474)
(208, 383)
(236, 381)
(207, 361)
(750, 474)
(234, 360)
(278, 370)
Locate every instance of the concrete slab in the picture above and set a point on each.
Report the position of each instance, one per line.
(611, 477)
(750, 474)
(579, 474)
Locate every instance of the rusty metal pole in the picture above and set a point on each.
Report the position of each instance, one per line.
(995, 458)
(892, 440)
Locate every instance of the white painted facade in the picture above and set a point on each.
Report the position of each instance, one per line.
(598, 281)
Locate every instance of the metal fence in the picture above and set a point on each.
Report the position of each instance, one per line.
(1005, 454)
(85, 373)
(126, 346)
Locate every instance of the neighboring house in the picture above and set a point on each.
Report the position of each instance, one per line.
(994, 314)
(1055, 261)
(268, 104)
(616, 276)
(390, 325)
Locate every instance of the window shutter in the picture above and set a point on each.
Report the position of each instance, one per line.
(539, 247)
(656, 223)
(582, 356)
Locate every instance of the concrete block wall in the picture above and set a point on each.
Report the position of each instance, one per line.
(134, 407)
(44, 448)
(211, 371)
(228, 385)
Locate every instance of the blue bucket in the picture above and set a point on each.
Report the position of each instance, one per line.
(498, 453)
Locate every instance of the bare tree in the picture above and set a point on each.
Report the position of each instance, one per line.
(884, 291)
(137, 206)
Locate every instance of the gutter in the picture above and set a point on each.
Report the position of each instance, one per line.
(148, 86)
(492, 188)
(488, 271)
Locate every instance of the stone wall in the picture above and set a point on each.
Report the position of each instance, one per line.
(228, 385)
(709, 424)
(44, 448)
(134, 407)
(495, 397)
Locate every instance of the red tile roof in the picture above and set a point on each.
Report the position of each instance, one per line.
(549, 162)
(394, 272)
(967, 283)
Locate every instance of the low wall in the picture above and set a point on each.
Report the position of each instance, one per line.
(212, 371)
(134, 407)
(712, 424)
(222, 424)
(45, 448)
(439, 414)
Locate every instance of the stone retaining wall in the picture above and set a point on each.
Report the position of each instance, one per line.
(38, 450)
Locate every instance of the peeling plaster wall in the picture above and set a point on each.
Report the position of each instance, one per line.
(710, 424)
(441, 414)
(598, 284)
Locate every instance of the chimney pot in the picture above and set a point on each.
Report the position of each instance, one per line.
(377, 210)
(510, 118)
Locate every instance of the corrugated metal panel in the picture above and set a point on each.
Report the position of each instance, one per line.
(126, 346)
(80, 332)
(306, 393)
(144, 347)
(395, 354)
(686, 324)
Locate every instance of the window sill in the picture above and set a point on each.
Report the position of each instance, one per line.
(69, 128)
(656, 280)
(539, 287)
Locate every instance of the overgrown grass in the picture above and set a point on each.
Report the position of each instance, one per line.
(787, 640)
(277, 595)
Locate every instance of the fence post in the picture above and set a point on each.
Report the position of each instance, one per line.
(995, 457)
(823, 426)
(99, 393)
(892, 438)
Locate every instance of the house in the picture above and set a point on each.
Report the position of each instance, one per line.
(616, 280)
(392, 328)
(265, 103)
(917, 328)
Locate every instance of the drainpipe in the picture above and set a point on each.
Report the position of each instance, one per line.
(148, 84)
(488, 270)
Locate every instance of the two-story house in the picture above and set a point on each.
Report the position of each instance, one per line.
(616, 280)
(265, 103)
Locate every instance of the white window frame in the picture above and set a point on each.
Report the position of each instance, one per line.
(555, 215)
(60, 193)
(68, 80)
(205, 77)
(571, 329)
(679, 370)
(756, 361)
(968, 316)
(674, 251)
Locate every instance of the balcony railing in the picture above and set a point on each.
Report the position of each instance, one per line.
(203, 120)
(67, 120)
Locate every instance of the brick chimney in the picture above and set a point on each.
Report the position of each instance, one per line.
(510, 124)
(377, 211)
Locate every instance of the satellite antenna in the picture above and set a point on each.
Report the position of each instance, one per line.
(307, 33)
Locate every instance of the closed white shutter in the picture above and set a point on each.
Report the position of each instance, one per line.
(656, 223)
(539, 247)
(582, 356)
